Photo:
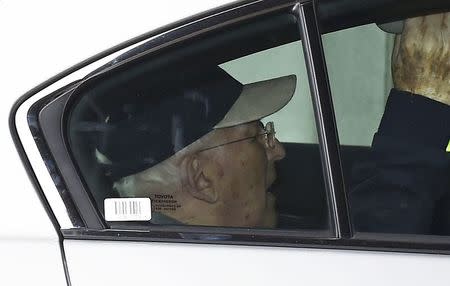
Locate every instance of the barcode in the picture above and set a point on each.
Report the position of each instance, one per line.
(127, 209)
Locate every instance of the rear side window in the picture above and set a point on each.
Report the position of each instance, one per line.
(218, 134)
(392, 94)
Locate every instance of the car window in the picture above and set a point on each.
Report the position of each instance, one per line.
(391, 96)
(223, 136)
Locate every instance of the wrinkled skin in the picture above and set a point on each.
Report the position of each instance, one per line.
(231, 188)
(248, 169)
(221, 186)
(421, 57)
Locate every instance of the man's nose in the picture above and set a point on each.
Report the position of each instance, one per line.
(277, 152)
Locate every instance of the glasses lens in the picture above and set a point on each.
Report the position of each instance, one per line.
(270, 131)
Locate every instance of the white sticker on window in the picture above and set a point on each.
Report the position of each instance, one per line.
(128, 209)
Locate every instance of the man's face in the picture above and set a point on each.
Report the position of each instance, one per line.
(242, 172)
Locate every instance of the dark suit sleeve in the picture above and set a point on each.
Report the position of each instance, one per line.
(400, 189)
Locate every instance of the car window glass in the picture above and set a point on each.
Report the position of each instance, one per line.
(230, 143)
(391, 95)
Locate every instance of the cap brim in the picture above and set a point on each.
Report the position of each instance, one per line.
(259, 99)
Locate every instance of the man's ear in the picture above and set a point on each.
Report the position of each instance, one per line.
(197, 181)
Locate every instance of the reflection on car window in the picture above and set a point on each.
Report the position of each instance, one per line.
(394, 126)
(212, 145)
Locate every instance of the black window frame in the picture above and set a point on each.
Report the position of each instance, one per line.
(317, 19)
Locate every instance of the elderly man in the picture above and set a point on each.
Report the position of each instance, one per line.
(201, 154)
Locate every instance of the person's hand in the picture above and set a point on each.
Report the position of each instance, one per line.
(421, 57)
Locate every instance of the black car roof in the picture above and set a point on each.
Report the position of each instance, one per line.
(340, 14)
(334, 15)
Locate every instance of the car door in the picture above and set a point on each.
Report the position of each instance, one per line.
(252, 42)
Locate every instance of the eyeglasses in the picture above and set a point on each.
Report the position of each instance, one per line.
(269, 136)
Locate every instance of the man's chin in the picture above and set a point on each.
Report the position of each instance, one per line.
(270, 215)
(270, 220)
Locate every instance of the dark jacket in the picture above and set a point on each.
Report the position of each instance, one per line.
(405, 185)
